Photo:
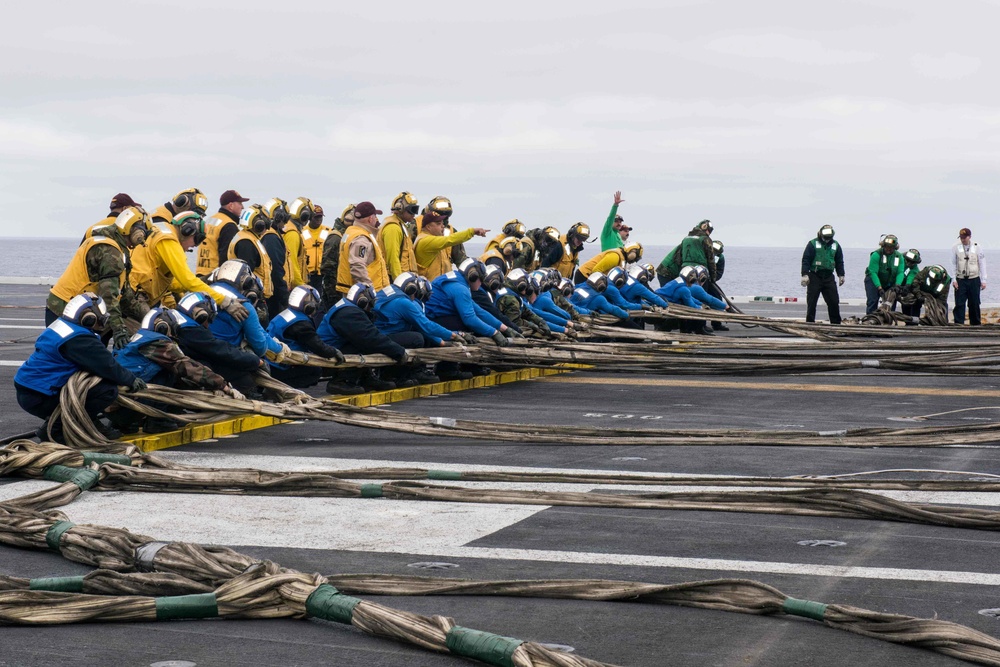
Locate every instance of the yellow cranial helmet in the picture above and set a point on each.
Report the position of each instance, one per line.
(440, 205)
(133, 218)
(191, 199)
(514, 228)
(301, 211)
(633, 251)
(254, 219)
(404, 201)
(347, 215)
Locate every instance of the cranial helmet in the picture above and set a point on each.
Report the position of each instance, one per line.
(425, 289)
(254, 219)
(718, 248)
(517, 280)
(912, 256)
(889, 241)
(408, 282)
(133, 219)
(566, 287)
(633, 251)
(689, 274)
(638, 272)
(493, 279)
(826, 232)
(347, 215)
(617, 276)
(301, 211)
(702, 274)
(87, 310)
(158, 320)
(277, 211)
(362, 296)
(441, 206)
(472, 270)
(598, 281)
(539, 280)
(238, 274)
(514, 228)
(580, 231)
(191, 199)
(404, 201)
(706, 226)
(552, 233)
(190, 224)
(199, 307)
(510, 243)
(305, 299)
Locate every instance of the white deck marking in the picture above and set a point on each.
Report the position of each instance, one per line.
(36, 327)
(6, 362)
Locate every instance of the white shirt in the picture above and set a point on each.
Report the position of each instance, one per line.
(959, 249)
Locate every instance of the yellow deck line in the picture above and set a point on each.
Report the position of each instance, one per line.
(780, 386)
(196, 433)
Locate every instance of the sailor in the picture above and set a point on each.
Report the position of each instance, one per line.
(589, 295)
(71, 344)
(101, 265)
(822, 258)
(236, 280)
(513, 227)
(502, 254)
(933, 283)
(884, 271)
(348, 327)
(969, 264)
(433, 248)
(300, 213)
(191, 199)
(220, 229)
(394, 239)
(910, 303)
(247, 246)
(160, 270)
(118, 204)
(294, 327)
(546, 285)
(512, 302)
(442, 207)
(712, 286)
(694, 250)
(276, 212)
(611, 234)
(331, 256)
(636, 287)
(361, 259)
(314, 236)
(194, 314)
(527, 259)
(686, 289)
(399, 308)
(451, 304)
(153, 355)
(607, 260)
(617, 278)
(563, 255)
(486, 297)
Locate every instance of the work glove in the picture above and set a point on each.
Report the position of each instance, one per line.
(467, 337)
(514, 333)
(840, 281)
(280, 355)
(234, 392)
(805, 281)
(408, 357)
(339, 356)
(137, 385)
(121, 337)
(235, 309)
(500, 339)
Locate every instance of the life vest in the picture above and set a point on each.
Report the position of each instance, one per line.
(224, 326)
(494, 243)
(46, 370)
(148, 275)
(496, 254)
(567, 263)
(440, 265)
(967, 263)
(825, 258)
(407, 259)
(110, 220)
(671, 264)
(288, 263)
(208, 251)
(314, 240)
(131, 357)
(162, 214)
(326, 331)
(76, 279)
(291, 231)
(263, 269)
(276, 329)
(376, 268)
(591, 264)
(693, 251)
(385, 317)
(887, 267)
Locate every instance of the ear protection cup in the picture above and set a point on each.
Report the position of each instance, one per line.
(88, 320)
(182, 201)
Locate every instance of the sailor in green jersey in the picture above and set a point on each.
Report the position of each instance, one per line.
(611, 237)
(884, 271)
(910, 303)
(822, 258)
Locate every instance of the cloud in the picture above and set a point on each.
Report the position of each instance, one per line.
(783, 47)
(951, 66)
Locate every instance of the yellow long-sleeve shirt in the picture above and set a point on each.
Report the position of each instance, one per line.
(160, 268)
(433, 252)
(603, 262)
(296, 256)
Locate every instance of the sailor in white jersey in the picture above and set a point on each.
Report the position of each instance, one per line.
(969, 268)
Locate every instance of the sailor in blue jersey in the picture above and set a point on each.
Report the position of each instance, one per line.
(562, 296)
(235, 278)
(192, 317)
(451, 304)
(348, 326)
(636, 286)
(616, 280)
(70, 344)
(486, 297)
(294, 327)
(686, 290)
(539, 299)
(589, 295)
(512, 300)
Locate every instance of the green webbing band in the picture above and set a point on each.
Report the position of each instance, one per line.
(444, 474)
(59, 473)
(807, 608)
(86, 478)
(371, 490)
(59, 584)
(201, 605)
(55, 533)
(328, 603)
(101, 457)
(485, 646)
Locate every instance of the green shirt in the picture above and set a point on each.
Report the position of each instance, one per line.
(610, 238)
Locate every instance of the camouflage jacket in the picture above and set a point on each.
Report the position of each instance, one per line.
(167, 355)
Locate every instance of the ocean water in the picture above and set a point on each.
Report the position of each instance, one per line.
(750, 271)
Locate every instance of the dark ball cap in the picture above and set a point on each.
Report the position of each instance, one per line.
(430, 217)
(230, 196)
(964, 231)
(365, 209)
(121, 200)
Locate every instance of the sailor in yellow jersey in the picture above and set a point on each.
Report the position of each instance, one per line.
(314, 237)
(513, 228)
(565, 256)
(300, 212)
(433, 248)
(361, 260)
(220, 228)
(441, 206)
(118, 204)
(609, 259)
(191, 199)
(502, 255)
(331, 257)
(276, 210)
(393, 238)
(160, 270)
(246, 245)
(101, 265)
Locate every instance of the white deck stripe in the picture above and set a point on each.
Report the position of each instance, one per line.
(16, 364)
(36, 327)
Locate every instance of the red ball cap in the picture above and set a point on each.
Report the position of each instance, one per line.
(121, 200)
(230, 196)
(365, 209)
(964, 231)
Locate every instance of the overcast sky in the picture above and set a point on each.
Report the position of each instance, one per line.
(770, 118)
